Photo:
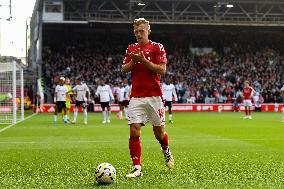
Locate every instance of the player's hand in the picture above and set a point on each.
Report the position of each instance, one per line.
(137, 56)
(136, 51)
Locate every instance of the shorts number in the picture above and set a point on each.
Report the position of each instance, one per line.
(161, 113)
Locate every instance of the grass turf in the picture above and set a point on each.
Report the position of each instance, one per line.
(211, 150)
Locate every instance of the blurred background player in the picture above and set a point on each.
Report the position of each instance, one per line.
(123, 99)
(282, 94)
(236, 107)
(127, 90)
(146, 60)
(60, 99)
(115, 88)
(170, 96)
(248, 92)
(68, 98)
(105, 94)
(82, 98)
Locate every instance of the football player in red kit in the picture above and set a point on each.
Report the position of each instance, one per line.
(248, 92)
(146, 60)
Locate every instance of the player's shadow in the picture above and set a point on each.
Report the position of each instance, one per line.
(97, 185)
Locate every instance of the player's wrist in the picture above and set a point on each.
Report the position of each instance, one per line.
(132, 63)
(145, 61)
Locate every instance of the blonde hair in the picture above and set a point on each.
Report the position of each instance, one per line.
(139, 21)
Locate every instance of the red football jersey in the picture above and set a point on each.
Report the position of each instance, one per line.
(247, 91)
(146, 83)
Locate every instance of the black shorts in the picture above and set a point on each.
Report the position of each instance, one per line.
(121, 103)
(80, 103)
(126, 103)
(60, 105)
(105, 105)
(169, 104)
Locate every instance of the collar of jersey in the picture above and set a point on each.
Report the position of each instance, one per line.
(149, 41)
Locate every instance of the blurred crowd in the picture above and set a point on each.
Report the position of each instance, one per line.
(215, 75)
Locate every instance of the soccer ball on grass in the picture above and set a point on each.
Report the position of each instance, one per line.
(105, 173)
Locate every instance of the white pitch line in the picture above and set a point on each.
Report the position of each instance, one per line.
(9, 126)
(109, 141)
(23, 142)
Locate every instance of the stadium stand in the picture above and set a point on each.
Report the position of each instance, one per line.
(213, 77)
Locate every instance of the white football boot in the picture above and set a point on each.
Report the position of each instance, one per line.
(135, 173)
(169, 159)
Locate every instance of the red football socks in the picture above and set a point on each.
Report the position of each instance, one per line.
(135, 150)
(165, 142)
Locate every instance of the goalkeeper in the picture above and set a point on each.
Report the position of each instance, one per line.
(68, 98)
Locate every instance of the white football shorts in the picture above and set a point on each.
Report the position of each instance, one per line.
(144, 109)
(247, 103)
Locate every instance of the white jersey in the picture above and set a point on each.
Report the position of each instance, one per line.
(105, 93)
(121, 94)
(115, 90)
(61, 91)
(127, 90)
(169, 92)
(81, 91)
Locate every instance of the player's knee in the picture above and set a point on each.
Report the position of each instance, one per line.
(135, 130)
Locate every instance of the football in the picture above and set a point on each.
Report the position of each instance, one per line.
(105, 173)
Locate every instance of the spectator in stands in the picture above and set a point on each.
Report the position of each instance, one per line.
(198, 78)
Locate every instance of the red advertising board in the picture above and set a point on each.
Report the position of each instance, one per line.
(183, 108)
(6, 109)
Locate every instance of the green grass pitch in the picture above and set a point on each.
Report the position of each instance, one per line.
(211, 150)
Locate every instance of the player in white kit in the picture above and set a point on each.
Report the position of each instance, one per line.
(105, 94)
(120, 97)
(127, 96)
(82, 98)
(123, 98)
(170, 96)
(60, 99)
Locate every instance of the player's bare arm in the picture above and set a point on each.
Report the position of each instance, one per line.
(127, 67)
(156, 68)
(253, 92)
(55, 97)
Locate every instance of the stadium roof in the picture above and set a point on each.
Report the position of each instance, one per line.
(204, 12)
